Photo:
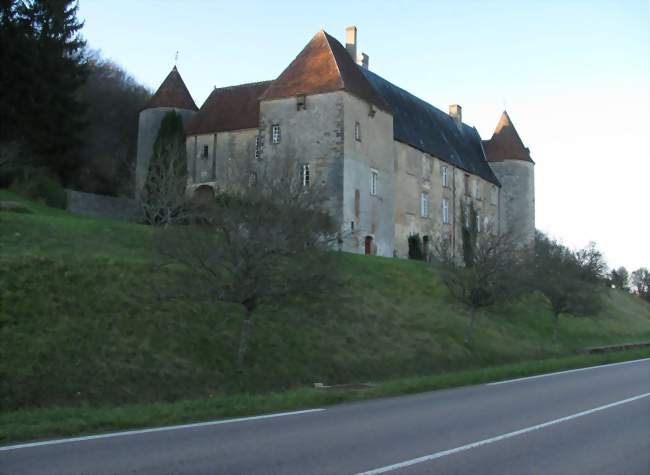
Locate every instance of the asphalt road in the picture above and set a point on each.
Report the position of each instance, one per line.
(595, 421)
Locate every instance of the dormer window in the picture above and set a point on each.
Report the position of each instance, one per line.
(477, 189)
(206, 151)
(275, 133)
(357, 131)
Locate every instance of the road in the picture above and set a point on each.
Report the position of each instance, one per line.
(592, 421)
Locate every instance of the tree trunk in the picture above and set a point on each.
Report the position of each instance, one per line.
(469, 331)
(244, 338)
(556, 324)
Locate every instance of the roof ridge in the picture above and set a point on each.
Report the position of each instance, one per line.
(336, 63)
(234, 86)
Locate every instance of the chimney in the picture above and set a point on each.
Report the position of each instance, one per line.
(351, 41)
(363, 60)
(456, 113)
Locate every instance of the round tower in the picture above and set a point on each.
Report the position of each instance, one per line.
(514, 168)
(171, 95)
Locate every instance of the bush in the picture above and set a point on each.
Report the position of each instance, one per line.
(42, 188)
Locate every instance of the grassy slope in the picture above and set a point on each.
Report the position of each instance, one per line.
(80, 323)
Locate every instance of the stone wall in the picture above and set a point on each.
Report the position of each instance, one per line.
(417, 173)
(373, 151)
(313, 135)
(102, 206)
(517, 179)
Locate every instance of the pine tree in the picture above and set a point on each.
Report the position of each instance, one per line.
(56, 115)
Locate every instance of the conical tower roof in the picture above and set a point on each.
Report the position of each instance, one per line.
(505, 143)
(324, 65)
(172, 93)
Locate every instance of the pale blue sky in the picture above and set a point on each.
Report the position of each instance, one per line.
(574, 76)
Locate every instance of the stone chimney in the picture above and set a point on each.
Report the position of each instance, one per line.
(456, 112)
(351, 41)
(363, 60)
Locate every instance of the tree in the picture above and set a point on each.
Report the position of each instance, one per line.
(164, 197)
(489, 274)
(263, 239)
(113, 99)
(640, 280)
(570, 281)
(42, 71)
(620, 278)
(56, 119)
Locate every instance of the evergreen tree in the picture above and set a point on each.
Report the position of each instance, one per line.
(56, 115)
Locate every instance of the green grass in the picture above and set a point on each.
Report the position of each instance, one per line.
(82, 324)
(62, 421)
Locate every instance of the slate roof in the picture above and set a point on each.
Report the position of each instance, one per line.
(421, 125)
(505, 143)
(172, 93)
(229, 108)
(324, 65)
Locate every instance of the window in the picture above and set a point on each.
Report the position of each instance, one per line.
(424, 205)
(258, 144)
(427, 166)
(357, 131)
(445, 177)
(301, 102)
(445, 211)
(477, 189)
(304, 175)
(275, 133)
(374, 176)
(206, 151)
(467, 192)
(493, 195)
(478, 220)
(467, 217)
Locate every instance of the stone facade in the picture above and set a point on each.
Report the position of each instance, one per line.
(392, 164)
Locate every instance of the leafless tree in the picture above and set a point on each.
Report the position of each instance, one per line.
(264, 238)
(488, 271)
(164, 199)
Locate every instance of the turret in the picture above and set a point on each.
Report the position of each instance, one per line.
(171, 95)
(514, 168)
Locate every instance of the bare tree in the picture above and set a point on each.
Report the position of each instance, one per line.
(262, 239)
(164, 199)
(488, 273)
(570, 280)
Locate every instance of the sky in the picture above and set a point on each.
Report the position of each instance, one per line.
(574, 77)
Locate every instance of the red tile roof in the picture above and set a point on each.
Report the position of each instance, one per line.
(505, 143)
(324, 65)
(229, 108)
(172, 93)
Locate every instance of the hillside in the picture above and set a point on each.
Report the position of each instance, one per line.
(81, 322)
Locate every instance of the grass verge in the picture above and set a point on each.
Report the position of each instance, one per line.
(60, 421)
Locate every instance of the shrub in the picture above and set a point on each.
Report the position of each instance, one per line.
(43, 188)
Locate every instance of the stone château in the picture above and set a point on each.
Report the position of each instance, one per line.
(393, 164)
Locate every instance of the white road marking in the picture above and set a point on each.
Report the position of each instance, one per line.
(154, 429)
(437, 455)
(565, 372)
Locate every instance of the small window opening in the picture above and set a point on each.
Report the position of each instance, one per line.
(357, 131)
(275, 133)
(206, 151)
